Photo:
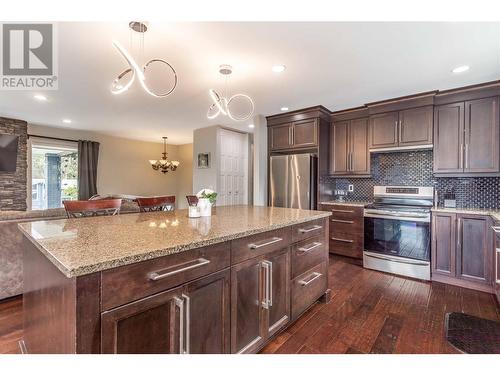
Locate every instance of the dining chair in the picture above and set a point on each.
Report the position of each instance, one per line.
(103, 207)
(166, 203)
(192, 200)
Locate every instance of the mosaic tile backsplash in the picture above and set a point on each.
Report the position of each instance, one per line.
(415, 168)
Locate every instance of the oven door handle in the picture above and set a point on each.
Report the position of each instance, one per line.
(391, 259)
(391, 216)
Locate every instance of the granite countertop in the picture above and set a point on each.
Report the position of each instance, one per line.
(348, 203)
(494, 213)
(87, 245)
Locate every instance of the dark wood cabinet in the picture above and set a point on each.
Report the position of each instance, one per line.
(474, 260)
(496, 276)
(462, 250)
(349, 148)
(384, 130)
(295, 134)
(467, 138)
(448, 138)
(280, 137)
(304, 133)
(443, 243)
(193, 318)
(260, 299)
(151, 325)
(415, 127)
(405, 129)
(482, 136)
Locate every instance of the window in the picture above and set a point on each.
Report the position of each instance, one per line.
(54, 172)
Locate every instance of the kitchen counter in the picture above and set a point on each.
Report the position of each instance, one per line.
(347, 203)
(494, 213)
(82, 246)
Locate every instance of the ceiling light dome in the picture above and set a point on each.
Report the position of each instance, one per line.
(461, 69)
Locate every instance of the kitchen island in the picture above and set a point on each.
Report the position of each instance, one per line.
(163, 283)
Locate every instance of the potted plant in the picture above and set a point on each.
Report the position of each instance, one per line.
(206, 199)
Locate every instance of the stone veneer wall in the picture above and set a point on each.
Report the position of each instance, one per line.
(415, 168)
(13, 189)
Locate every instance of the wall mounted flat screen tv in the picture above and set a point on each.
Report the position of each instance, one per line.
(8, 152)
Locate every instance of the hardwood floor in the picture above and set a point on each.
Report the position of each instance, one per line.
(370, 312)
(374, 312)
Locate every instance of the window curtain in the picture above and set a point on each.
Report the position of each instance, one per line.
(88, 155)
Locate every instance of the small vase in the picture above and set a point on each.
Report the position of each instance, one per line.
(205, 207)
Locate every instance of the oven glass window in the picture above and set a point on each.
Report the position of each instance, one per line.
(406, 239)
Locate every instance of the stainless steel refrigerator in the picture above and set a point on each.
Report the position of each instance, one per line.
(293, 181)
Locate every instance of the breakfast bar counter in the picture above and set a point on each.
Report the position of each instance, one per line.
(161, 282)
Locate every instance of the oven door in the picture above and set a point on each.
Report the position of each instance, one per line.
(398, 236)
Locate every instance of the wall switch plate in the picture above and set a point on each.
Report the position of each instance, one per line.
(350, 188)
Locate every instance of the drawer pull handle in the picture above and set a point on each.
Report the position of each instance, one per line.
(343, 211)
(313, 228)
(496, 229)
(342, 221)
(266, 243)
(341, 240)
(313, 246)
(158, 276)
(316, 275)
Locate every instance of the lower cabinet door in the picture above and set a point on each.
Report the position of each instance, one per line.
(151, 325)
(443, 243)
(207, 315)
(277, 266)
(247, 313)
(474, 258)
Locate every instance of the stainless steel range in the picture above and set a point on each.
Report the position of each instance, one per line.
(397, 231)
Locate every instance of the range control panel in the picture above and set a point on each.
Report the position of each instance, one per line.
(401, 190)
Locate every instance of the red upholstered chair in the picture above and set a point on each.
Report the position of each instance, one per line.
(166, 203)
(104, 207)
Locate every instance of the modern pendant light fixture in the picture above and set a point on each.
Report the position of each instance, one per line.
(164, 165)
(126, 78)
(224, 105)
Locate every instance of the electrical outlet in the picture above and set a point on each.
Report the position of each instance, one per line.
(350, 188)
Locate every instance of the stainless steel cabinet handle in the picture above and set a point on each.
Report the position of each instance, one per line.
(266, 243)
(316, 275)
(466, 156)
(313, 246)
(461, 165)
(459, 232)
(187, 322)
(343, 211)
(341, 239)
(270, 285)
(158, 276)
(180, 304)
(266, 265)
(496, 229)
(342, 221)
(313, 228)
(497, 279)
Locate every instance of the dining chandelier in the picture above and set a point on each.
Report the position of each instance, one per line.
(163, 164)
(127, 77)
(238, 107)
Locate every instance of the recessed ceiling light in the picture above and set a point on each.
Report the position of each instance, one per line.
(40, 97)
(66, 121)
(284, 108)
(461, 69)
(278, 68)
(251, 126)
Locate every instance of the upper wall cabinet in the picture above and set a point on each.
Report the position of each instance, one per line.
(401, 130)
(349, 148)
(467, 138)
(296, 134)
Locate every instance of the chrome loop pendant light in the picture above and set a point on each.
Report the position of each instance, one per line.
(223, 105)
(126, 78)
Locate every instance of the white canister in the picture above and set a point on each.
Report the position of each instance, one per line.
(205, 207)
(194, 211)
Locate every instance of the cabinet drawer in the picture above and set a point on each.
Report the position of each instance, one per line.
(347, 244)
(129, 283)
(346, 226)
(259, 244)
(308, 253)
(307, 288)
(307, 230)
(344, 212)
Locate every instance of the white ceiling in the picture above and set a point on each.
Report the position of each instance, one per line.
(338, 65)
